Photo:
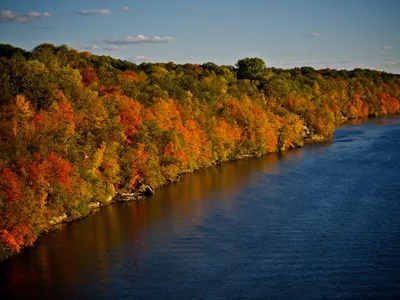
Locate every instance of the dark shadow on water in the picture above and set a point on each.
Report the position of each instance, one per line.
(63, 259)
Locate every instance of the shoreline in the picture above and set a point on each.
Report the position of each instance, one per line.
(124, 196)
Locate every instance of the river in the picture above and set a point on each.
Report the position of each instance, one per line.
(320, 222)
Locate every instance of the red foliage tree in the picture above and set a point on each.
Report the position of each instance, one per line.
(89, 76)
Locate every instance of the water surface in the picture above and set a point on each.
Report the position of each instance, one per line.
(318, 222)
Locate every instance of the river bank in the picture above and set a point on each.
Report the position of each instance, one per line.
(145, 190)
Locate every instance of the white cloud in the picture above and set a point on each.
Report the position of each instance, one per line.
(114, 48)
(34, 14)
(126, 8)
(387, 48)
(142, 57)
(140, 39)
(139, 59)
(86, 47)
(12, 17)
(46, 14)
(94, 12)
(315, 34)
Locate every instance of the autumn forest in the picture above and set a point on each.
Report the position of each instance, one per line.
(77, 130)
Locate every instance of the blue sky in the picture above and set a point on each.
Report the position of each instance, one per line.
(340, 34)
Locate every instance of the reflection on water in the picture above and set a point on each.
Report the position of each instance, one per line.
(63, 258)
(315, 222)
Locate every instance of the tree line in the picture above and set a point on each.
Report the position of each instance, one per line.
(77, 128)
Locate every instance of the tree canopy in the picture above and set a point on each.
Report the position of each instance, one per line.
(250, 68)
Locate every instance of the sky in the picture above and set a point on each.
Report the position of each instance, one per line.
(337, 34)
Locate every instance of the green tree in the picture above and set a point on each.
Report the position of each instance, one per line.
(250, 68)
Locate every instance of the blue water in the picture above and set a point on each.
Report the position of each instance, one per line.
(321, 222)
